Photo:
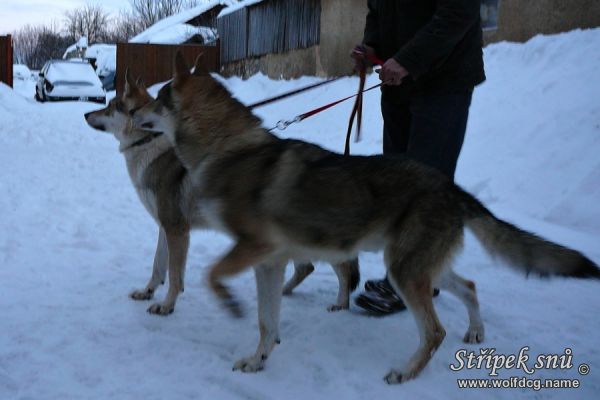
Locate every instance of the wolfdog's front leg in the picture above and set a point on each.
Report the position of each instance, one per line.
(269, 282)
(177, 242)
(241, 256)
(159, 269)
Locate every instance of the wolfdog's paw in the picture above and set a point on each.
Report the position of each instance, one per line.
(144, 294)
(337, 307)
(250, 364)
(474, 335)
(161, 309)
(394, 377)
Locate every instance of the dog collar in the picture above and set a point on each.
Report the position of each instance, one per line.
(145, 140)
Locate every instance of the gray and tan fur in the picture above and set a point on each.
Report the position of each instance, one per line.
(287, 199)
(164, 187)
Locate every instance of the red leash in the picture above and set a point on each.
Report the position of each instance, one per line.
(356, 110)
(356, 113)
(281, 125)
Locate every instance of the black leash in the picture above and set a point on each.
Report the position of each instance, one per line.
(291, 93)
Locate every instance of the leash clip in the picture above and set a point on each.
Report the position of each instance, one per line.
(282, 125)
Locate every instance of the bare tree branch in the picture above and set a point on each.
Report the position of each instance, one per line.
(90, 21)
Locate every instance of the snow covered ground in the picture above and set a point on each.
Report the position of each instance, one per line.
(74, 240)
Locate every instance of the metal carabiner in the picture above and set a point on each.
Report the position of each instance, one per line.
(282, 124)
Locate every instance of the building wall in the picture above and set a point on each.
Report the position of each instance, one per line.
(342, 26)
(292, 64)
(519, 20)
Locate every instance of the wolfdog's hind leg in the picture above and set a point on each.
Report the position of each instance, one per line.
(178, 242)
(301, 271)
(465, 291)
(269, 280)
(416, 294)
(159, 269)
(417, 258)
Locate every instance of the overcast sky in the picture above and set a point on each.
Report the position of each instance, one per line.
(16, 13)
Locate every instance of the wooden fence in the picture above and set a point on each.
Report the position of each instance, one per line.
(6, 60)
(154, 62)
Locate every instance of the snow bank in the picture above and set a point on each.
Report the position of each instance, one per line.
(12, 107)
(534, 135)
(22, 72)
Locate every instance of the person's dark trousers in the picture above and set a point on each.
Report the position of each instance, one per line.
(431, 129)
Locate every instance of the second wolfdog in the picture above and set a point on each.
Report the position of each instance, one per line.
(288, 199)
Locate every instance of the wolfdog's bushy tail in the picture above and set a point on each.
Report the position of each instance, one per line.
(523, 250)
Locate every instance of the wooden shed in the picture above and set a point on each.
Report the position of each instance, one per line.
(290, 38)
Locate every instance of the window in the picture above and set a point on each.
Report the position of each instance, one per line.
(489, 14)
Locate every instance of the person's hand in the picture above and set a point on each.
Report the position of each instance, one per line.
(392, 73)
(360, 53)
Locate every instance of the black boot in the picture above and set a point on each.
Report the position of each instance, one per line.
(380, 298)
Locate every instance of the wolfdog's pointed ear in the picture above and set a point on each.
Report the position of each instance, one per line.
(130, 85)
(200, 68)
(139, 82)
(181, 68)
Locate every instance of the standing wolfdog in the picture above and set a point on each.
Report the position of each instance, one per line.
(163, 185)
(282, 199)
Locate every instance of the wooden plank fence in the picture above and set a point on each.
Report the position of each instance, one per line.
(6, 60)
(154, 62)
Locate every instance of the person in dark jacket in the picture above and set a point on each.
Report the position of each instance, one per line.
(433, 59)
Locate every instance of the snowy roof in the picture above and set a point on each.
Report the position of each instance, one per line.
(177, 34)
(82, 43)
(237, 6)
(69, 49)
(95, 50)
(105, 55)
(178, 19)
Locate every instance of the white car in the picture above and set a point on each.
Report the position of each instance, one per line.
(69, 80)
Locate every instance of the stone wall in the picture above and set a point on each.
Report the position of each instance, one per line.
(520, 20)
(342, 27)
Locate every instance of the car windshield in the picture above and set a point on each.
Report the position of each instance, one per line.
(72, 72)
